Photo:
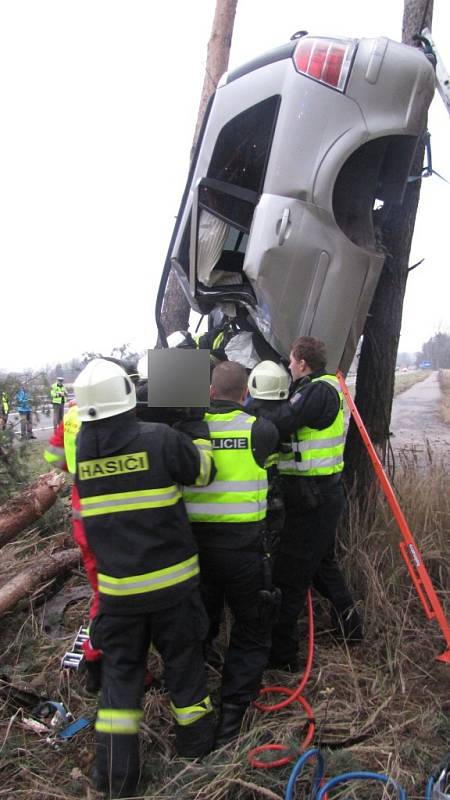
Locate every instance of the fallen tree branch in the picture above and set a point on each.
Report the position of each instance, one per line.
(25, 508)
(47, 566)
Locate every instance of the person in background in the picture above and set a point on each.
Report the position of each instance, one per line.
(128, 476)
(61, 453)
(58, 395)
(229, 520)
(25, 413)
(4, 409)
(311, 427)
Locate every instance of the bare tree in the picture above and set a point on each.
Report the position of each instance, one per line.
(376, 369)
(175, 311)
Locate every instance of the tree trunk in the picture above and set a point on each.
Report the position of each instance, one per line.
(47, 566)
(25, 508)
(176, 309)
(376, 368)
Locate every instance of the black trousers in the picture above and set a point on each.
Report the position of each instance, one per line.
(306, 557)
(178, 633)
(236, 577)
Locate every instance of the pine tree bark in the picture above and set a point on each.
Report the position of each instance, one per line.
(376, 368)
(47, 566)
(176, 309)
(25, 508)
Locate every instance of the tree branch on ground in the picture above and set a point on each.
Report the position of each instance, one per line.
(25, 508)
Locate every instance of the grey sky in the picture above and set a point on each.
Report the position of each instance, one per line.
(99, 101)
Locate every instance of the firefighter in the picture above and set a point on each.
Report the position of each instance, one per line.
(61, 453)
(58, 396)
(311, 424)
(228, 520)
(148, 572)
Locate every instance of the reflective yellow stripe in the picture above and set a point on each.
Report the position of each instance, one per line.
(55, 456)
(129, 501)
(271, 460)
(149, 581)
(111, 720)
(206, 459)
(190, 714)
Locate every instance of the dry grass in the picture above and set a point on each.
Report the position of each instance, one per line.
(381, 706)
(444, 383)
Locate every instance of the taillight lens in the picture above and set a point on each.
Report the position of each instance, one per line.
(325, 60)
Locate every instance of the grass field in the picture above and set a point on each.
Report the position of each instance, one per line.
(444, 382)
(383, 705)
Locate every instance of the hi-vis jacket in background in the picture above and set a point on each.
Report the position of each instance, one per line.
(58, 393)
(128, 476)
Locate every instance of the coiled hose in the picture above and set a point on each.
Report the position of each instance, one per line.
(292, 696)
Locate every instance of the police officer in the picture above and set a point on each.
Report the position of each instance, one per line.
(58, 396)
(311, 424)
(148, 572)
(228, 520)
(4, 409)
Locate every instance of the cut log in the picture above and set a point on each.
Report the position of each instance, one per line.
(25, 508)
(45, 567)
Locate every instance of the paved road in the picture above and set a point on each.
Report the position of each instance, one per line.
(42, 428)
(418, 431)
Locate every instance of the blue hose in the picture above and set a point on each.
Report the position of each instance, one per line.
(429, 789)
(297, 768)
(355, 776)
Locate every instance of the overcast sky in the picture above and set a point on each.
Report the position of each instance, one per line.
(98, 101)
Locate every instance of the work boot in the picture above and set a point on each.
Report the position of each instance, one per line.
(112, 791)
(230, 723)
(347, 625)
(92, 673)
(195, 740)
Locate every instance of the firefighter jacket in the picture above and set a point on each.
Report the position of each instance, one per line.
(61, 449)
(5, 403)
(230, 513)
(311, 425)
(58, 393)
(131, 504)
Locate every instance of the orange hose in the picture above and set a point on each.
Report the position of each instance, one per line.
(292, 697)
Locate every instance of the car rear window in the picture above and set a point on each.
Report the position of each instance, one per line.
(242, 149)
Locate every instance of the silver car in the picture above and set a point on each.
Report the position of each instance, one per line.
(297, 149)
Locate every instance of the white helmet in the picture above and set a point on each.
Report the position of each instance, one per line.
(103, 389)
(268, 381)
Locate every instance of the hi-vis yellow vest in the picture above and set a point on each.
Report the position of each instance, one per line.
(72, 424)
(57, 393)
(314, 452)
(239, 491)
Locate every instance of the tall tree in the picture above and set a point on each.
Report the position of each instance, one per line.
(175, 311)
(376, 369)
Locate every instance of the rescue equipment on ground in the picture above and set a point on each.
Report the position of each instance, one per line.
(73, 658)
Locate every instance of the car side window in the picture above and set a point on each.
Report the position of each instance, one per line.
(242, 148)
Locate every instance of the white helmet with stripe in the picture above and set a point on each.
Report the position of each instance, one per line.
(268, 381)
(103, 389)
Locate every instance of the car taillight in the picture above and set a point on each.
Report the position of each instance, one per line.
(325, 60)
